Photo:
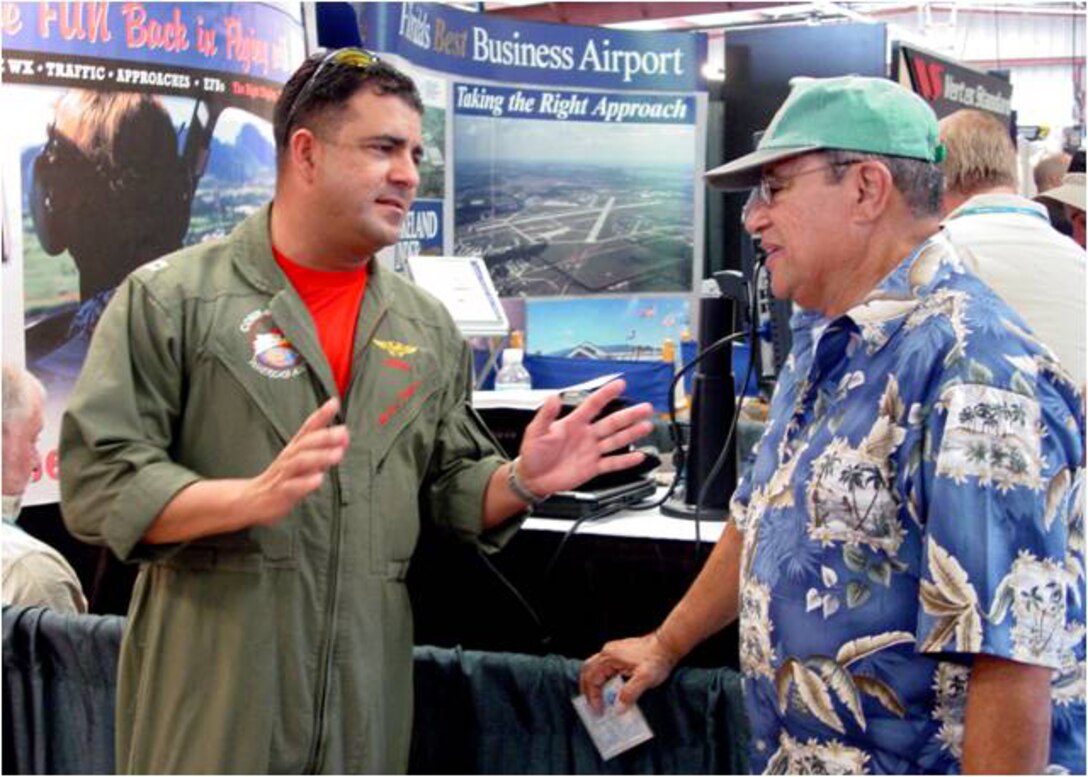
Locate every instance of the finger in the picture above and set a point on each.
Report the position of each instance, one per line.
(544, 417)
(633, 689)
(595, 673)
(625, 437)
(619, 461)
(321, 417)
(306, 485)
(595, 402)
(326, 437)
(304, 463)
(622, 419)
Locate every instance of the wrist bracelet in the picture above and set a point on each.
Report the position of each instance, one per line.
(519, 488)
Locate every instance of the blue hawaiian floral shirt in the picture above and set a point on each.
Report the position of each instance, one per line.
(917, 498)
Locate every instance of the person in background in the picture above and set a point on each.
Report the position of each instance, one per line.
(1048, 173)
(263, 422)
(1070, 196)
(1007, 240)
(110, 188)
(34, 574)
(906, 557)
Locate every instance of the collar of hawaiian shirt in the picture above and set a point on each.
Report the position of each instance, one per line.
(886, 308)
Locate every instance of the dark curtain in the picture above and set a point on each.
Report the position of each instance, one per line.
(476, 712)
(505, 713)
(60, 673)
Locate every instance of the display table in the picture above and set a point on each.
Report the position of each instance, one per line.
(614, 577)
(647, 524)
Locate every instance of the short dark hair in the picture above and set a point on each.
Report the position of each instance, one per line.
(326, 99)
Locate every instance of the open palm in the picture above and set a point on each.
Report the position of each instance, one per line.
(558, 454)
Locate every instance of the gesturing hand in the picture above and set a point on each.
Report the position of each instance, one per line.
(559, 454)
(300, 467)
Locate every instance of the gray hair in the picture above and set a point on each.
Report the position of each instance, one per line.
(981, 154)
(1049, 170)
(919, 182)
(20, 389)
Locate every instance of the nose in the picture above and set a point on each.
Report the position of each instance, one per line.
(754, 215)
(405, 171)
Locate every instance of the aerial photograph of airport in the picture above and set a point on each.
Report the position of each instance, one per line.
(606, 209)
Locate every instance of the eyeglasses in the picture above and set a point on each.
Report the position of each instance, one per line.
(360, 59)
(770, 185)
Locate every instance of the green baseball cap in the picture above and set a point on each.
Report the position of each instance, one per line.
(850, 113)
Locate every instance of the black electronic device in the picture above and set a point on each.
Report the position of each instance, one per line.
(603, 494)
(713, 403)
(772, 316)
(589, 503)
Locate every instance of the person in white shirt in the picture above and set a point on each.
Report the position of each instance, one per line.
(1007, 239)
(33, 574)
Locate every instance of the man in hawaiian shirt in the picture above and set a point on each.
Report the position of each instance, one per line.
(906, 556)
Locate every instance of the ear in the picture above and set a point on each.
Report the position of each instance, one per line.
(872, 189)
(302, 150)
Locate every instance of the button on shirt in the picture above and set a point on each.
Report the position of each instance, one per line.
(915, 501)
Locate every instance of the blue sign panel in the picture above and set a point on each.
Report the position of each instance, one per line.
(476, 100)
(497, 49)
(259, 40)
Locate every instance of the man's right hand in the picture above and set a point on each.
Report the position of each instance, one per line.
(299, 468)
(645, 661)
(221, 505)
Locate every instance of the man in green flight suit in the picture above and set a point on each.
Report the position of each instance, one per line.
(262, 423)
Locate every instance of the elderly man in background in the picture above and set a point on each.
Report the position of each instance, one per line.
(1007, 240)
(1048, 173)
(1070, 195)
(34, 574)
(906, 553)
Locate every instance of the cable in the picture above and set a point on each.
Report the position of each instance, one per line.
(588, 517)
(545, 635)
(674, 425)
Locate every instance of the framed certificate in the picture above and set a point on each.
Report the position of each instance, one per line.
(464, 286)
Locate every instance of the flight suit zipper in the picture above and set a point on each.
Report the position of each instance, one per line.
(328, 641)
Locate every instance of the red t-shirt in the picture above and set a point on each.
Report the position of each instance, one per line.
(333, 299)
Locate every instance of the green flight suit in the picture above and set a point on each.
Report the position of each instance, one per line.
(284, 648)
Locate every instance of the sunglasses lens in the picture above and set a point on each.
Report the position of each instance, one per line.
(354, 58)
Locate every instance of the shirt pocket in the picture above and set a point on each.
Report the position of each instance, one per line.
(230, 430)
(248, 550)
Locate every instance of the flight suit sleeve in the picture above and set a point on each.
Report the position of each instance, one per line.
(116, 474)
(465, 456)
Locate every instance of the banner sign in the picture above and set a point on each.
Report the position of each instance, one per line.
(612, 207)
(949, 86)
(421, 234)
(476, 100)
(142, 128)
(496, 49)
(253, 39)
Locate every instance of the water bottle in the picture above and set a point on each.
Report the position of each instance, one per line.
(513, 375)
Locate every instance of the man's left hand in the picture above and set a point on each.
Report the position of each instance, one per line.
(558, 454)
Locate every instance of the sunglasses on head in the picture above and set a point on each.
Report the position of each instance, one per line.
(359, 59)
